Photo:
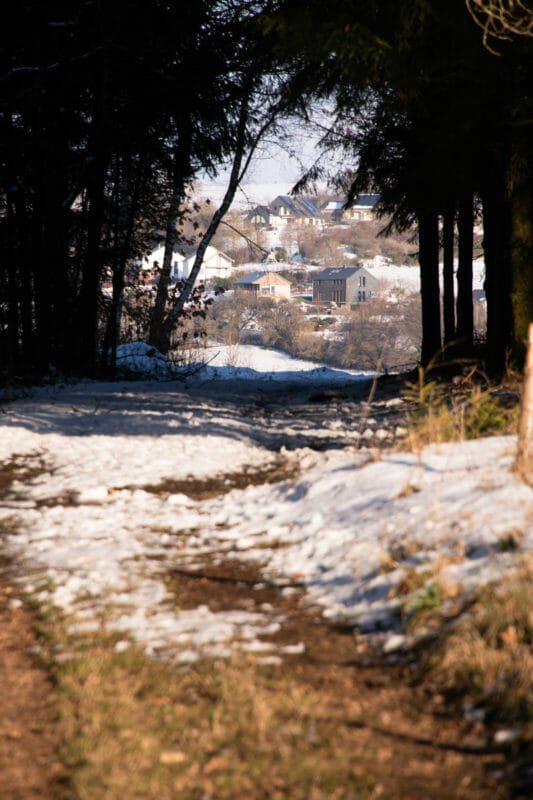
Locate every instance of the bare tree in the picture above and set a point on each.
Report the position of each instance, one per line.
(502, 19)
(245, 146)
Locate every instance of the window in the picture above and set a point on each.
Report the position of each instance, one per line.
(359, 296)
(364, 281)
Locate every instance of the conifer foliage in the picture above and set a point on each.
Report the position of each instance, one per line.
(107, 112)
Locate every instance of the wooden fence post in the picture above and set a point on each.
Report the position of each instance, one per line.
(524, 457)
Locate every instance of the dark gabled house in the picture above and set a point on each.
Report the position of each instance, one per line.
(260, 215)
(296, 210)
(363, 209)
(285, 210)
(341, 285)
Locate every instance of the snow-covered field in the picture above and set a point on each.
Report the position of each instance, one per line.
(408, 278)
(88, 536)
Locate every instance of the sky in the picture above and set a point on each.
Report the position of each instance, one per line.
(278, 162)
(88, 537)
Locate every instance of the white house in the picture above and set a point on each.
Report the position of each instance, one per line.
(215, 264)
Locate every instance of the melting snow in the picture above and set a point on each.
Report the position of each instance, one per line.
(93, 541)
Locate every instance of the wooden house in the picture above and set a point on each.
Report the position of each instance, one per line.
(264, 284)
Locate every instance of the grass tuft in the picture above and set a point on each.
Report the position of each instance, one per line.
(443, 412)
(489, 653)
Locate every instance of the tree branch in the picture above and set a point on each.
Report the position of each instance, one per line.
(237, 174)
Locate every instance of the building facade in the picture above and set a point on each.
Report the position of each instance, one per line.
(342, 285)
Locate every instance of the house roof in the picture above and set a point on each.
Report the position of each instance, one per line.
(298, 206)
(308, 206)
(264, 211)
(336, 273)
(366, 200)
(256, 276)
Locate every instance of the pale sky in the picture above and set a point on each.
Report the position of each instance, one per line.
(276, 162)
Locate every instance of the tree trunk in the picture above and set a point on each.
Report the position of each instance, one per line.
(428, 238)
(160, 333)
(497, 277)
(448, 300)
(129, 180)
(524, 458)
(465, 309)
(83, 357)
(520, 183)
(85, 347)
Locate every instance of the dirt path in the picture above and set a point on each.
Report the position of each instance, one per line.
(402, 738)
(399, 730)
(29, 767)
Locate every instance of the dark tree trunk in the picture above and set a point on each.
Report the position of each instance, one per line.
(97, 161)
(497, 277)
(160, 333)
(465, 308)
(85, 346)
(448, 294)
(127, 209)
(520, 183)
(428, 239)
(523, 464)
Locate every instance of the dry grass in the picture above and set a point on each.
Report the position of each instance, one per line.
(489, 654)
(314, 728)
(453, 412)
(235, 730)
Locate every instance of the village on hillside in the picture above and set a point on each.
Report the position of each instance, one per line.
(346, 295)
(274, 236)
(310, 241)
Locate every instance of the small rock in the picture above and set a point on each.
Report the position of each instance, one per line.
(507, 735)
(63, 658)
(395, 642)
(473, 714)
(274, 661)
(394, 401)
(293, 649)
